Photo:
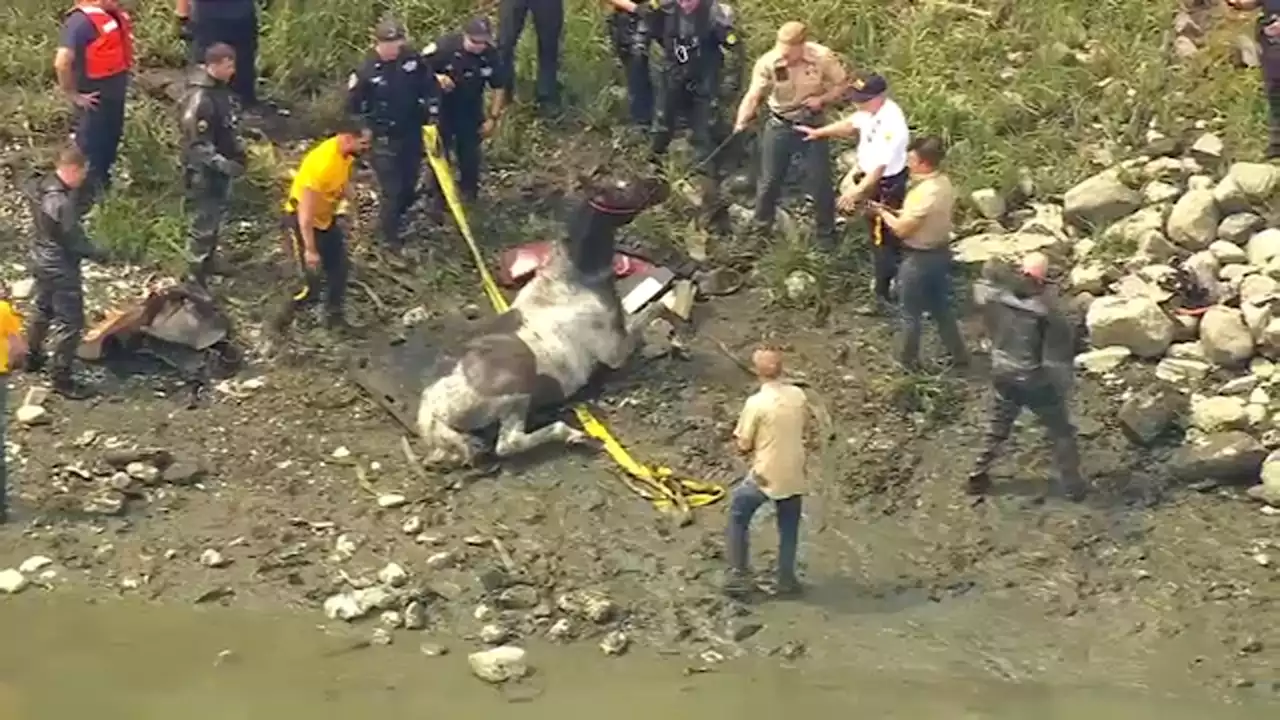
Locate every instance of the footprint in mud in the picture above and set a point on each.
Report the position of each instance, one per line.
(848, 596)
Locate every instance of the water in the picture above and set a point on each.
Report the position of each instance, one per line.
(64, 658)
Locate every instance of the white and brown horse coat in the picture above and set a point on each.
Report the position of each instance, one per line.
(563, 326)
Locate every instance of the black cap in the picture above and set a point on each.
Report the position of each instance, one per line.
(479, 29)
(867, 86)
(389, 30)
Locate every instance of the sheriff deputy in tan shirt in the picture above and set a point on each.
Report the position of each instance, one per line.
(772, 431)
(800, 79)
(924, 227)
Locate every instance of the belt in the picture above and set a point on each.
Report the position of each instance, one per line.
(806, 117)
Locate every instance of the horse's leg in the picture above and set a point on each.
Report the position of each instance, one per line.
(513, 439)
(633, 331)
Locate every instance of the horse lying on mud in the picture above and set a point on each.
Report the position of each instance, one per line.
(563, 326)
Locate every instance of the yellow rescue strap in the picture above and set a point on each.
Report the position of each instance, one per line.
(659, 485)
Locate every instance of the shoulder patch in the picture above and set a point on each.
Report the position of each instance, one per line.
(353, 81)
(731, 39)
(202, 125)
(430, 49)
(411, 66)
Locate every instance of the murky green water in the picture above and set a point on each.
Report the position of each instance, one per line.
(61, 658)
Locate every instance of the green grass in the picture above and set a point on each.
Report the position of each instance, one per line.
(1012, 84)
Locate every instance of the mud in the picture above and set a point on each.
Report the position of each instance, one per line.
(1146, 587)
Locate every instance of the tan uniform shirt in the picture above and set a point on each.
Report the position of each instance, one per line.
(773, 423)
(789, 86)
(930, 200)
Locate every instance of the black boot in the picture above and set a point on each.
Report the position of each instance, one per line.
(65, 385)
(35, 361)
(978, 483)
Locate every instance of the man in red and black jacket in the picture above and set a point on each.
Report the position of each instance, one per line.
(93, 64)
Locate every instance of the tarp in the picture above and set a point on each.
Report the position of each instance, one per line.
(183, 315)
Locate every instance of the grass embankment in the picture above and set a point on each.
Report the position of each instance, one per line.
(1010, 83)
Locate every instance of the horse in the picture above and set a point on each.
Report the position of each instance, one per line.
(563, 327)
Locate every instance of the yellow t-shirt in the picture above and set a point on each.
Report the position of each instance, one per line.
(326, 170)
(10, 325)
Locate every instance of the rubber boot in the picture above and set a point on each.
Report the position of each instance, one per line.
(65, 385)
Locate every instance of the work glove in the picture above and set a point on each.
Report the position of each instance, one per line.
(184, 29)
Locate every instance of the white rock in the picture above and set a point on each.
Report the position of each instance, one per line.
(1240, 386)
(483, 613)
(1271, 471)
(1228, 253)
(494, 634)
(1218, 413)
(615, 643)
(1207, 148)
(144, 472)
(1225, 337)
(1047, 220)
(391, 619)
(12, 582)
(412, 525)
(1258, 181)
(346, 545)
(1186, 327)
(988, 202)
(393, 575)
(1156, 192)
(341, 453)
(1099, 201)
(441, 560)
(1131, 229)
(560, 630)
(1260, 396)
(500, 664)
(1181, 371)
(1262, 368)
(1263, 247)
(1269, 338)
(31, 415)
(415, 316)
(212, 558)
(1090, 277)
(1255, 415)
(1163, 168)
(1136, 323)
(34, 564)
(391, 500)
(1237, 228)
(343, 606)
(977, 249)
(1200, 182)
(800, 285)
(1258, 289)
(1193, 221)
(1103, 360)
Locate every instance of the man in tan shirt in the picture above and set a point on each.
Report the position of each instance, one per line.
(800, 79)
(772, 431)
(924, 227)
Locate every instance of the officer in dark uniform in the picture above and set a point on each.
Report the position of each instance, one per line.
(629, 35)
(211, 156)
(1269, 41)
(94, 62)
(234, 22)
(465, 64)
(699, 48)
(1032, 351)
(548, 24)
(57, 250)
(395, 93)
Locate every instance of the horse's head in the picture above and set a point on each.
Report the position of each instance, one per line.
(608, 203)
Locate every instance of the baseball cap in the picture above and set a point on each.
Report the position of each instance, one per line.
(867, 86)
(479, 29)
(389, 30)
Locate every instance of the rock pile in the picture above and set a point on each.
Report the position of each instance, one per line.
(1175, 259)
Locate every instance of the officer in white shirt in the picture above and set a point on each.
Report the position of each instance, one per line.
(881, 172)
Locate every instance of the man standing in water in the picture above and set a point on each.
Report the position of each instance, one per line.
(772, 431)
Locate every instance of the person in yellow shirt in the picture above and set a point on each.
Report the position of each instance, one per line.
(318, 243)
(12, 352)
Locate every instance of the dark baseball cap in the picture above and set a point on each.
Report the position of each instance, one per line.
(479, 29)
(389, 30)
(867, 86)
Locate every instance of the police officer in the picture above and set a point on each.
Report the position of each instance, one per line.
(629, 35)
(395, 93)
(800, 79)
(548, 24)
(1033, 347)
(234, 22)
(924, 226)
(880, 175)
(93, 64)
(465, 64)
(211, 156)
(1269, 41)
(57, 250)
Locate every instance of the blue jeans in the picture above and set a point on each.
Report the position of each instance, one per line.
(744, 500)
